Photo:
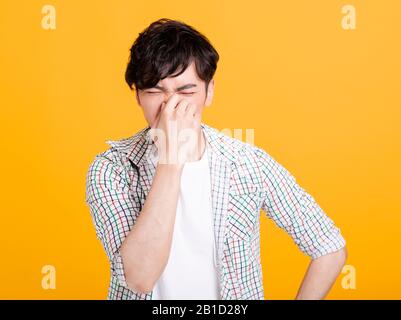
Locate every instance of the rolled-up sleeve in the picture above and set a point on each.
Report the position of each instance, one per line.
(296, 211)
(112, 209)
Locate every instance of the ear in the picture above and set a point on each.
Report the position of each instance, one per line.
(209, 93)
(137, 98)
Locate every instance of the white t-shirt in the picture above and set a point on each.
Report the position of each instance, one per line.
(191, 271)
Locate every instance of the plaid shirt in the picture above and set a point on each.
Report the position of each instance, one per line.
(244, 180)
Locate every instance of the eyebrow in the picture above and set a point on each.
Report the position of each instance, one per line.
(186, 86)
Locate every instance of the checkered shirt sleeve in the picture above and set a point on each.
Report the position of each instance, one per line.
(112, 208)
(296, 211)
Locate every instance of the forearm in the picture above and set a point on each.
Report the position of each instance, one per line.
(146, 249)
(321, 275)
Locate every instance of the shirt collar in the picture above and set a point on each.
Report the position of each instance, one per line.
(138, 147)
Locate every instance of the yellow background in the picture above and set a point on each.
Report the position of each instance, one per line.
(325, 102)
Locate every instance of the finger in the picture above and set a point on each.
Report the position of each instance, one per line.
(157, 118)
(172, 102)
(181, 107)
(156, 121)
(161, 110)
(191, 109)
(197, 116)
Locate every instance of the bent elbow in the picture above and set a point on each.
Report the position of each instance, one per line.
(141, 288)
(344, 254)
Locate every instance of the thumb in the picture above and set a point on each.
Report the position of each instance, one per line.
(157, 119)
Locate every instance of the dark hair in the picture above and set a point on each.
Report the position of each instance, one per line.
(165, 46)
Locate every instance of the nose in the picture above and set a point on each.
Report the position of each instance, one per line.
(168, 95)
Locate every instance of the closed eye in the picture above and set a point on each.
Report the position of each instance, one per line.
(155, 92)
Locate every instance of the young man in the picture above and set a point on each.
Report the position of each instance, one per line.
(187, 226)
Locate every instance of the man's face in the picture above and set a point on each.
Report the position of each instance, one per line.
(187, 85)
